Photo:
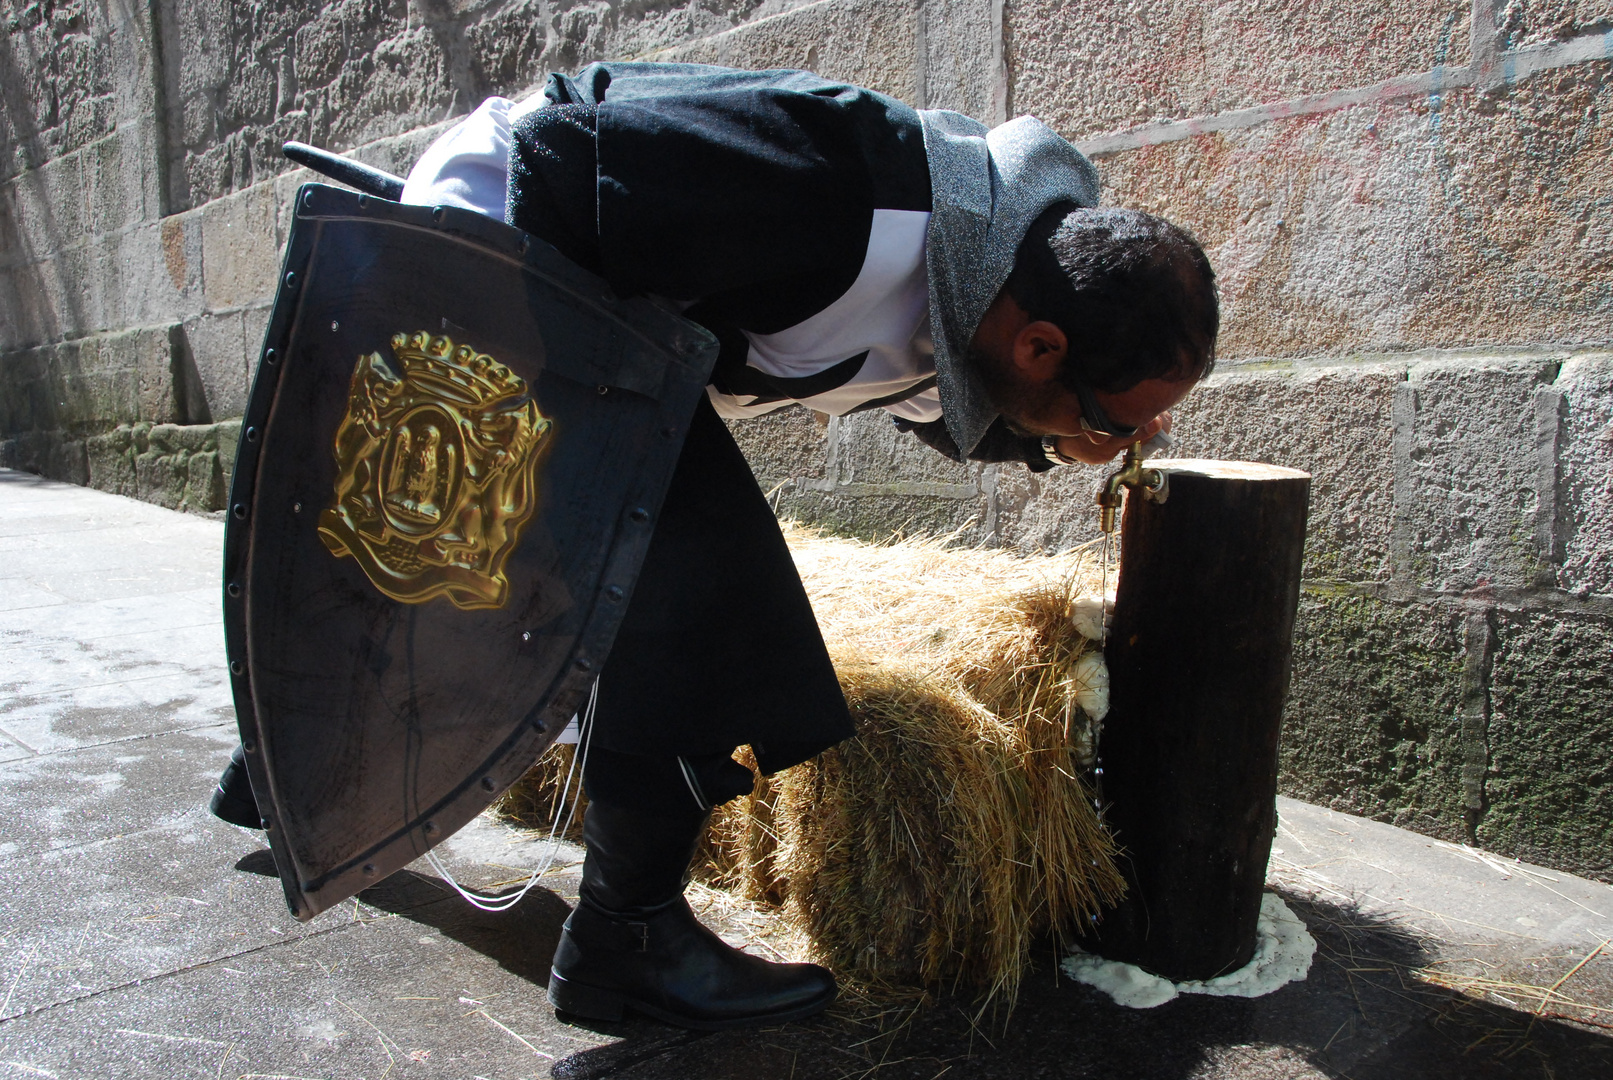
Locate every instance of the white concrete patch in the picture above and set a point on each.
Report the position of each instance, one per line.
(1089, 615)
(1282, 955)
(105, 783)
(1090, 678)
(323, 1030)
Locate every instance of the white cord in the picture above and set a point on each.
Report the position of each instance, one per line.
(1103, 595)
(694, 785)
(578, 762)
(1095, 727)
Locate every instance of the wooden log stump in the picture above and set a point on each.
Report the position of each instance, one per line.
(1198, 652)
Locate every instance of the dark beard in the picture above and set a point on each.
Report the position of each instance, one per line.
(1011, 399)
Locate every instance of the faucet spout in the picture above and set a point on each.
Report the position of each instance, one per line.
(1131, 474)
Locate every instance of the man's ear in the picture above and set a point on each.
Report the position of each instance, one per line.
(1039, 350)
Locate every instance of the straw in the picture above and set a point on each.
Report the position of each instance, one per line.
(958, 825)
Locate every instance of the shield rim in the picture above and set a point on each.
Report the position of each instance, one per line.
(690, 351)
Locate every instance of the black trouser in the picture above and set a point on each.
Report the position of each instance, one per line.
(719, 646)
(677, 786)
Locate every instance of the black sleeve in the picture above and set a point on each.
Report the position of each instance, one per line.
(751, 192)
(551, 192)
(998, 444)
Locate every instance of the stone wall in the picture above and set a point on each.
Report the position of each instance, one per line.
(143, 196)
(1408, 203)
(1410, 207)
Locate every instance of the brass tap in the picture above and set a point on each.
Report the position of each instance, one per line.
(1131, 474)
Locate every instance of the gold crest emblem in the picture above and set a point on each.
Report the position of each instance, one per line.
(436, 464)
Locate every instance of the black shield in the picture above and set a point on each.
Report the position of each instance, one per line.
(453, 457)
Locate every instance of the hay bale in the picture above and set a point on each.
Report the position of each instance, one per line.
(532, 801)
(957, 826)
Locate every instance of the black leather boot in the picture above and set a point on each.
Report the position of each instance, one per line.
(232, 798)
(633, 944)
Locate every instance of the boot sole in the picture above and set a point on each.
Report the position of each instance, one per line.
(593, 1003)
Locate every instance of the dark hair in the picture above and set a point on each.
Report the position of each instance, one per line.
(1134, 295)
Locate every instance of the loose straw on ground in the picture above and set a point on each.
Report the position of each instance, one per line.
(958, 825)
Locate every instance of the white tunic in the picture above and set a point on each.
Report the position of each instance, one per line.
(882, 318)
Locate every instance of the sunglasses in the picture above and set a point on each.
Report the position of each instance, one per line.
(1095, 420)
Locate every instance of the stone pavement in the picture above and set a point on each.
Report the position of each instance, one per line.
(140, 937)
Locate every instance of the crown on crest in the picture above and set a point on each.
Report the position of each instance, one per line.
(456, 372)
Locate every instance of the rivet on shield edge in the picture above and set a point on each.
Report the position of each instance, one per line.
(603, 390)
(239, 510)
(268, 826)
(269, 357)
(308, 199)
(335, 326)
(249, 745)
(431, 828)
(525, 245)
(251, 434)
(291, 279)
(234, 588)
(369, 869)
(488, 785)
(437, 215)
(295, 910)
(614, 594)
(296, 508)
(584, 664)
(526, 635)
(235, 667)
(364, 200)
(639, 514)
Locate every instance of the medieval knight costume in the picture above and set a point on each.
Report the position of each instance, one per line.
(843, 248)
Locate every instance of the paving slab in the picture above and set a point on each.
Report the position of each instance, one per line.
(52, 663)
(383, 994)
(140, 937)
(109, 712)
(66, 800)
(11, 750)
(113, 617)
(18, 592)
(1385, 872)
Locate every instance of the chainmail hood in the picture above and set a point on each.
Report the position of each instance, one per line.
(987, 187)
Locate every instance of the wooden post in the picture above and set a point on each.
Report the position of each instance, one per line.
(1198, 654)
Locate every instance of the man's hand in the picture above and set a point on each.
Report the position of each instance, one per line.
(1096, 449)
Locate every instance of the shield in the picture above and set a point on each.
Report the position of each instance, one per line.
(453, 457)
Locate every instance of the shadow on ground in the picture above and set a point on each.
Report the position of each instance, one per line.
(521, 940)
(1361, 1015)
